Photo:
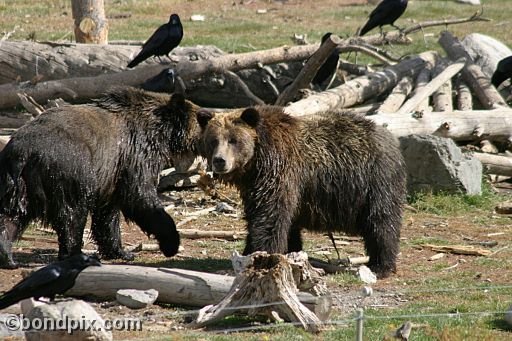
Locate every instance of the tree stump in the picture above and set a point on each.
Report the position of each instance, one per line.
(268, 284)
(91, 26)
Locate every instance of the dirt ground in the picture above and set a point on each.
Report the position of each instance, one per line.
(39, 247)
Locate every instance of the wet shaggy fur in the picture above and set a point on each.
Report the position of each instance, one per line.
(334, 173)
(101, 158)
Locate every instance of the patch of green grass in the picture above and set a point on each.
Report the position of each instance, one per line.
(453, 204)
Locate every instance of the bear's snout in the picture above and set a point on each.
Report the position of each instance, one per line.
(219, 164)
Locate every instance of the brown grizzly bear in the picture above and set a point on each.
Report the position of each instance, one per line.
(101, 158)
(333, 173)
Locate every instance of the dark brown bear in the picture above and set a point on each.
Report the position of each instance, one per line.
(334, 173)
(101, 158)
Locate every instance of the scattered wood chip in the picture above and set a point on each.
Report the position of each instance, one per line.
(504, 208)
(436, 256)
(458, 249)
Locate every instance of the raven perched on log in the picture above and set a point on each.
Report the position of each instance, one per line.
(328, 68)
(386, 13)
(503, 71)
(162, 42)
(53, 279)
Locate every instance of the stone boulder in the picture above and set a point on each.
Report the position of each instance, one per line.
(437, 164)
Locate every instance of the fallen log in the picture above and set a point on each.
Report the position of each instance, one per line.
(175, 286)
(472, 74)
(397, 96)
(495, 164)
(361, 88)
(494, 124)
(431, 87)
(421, 81)
(464, 98)
(442, 97)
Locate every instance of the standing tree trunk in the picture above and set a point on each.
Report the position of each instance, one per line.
(91, 26)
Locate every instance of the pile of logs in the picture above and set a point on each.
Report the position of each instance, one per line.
(465, 106)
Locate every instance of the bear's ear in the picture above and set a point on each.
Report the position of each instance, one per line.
(204, 116)
(177, 101)
(251, 116)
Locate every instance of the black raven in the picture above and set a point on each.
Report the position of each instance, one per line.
(162, 42)
(328, 68)
(503, 71)
(53, 279)
(385, 13)
(163, 82)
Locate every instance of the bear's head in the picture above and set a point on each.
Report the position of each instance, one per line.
(228, 140)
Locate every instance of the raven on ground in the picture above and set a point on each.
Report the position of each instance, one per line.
(53, 279)
(162, 42)
(328, 69)
(503, 71)
(386, 13)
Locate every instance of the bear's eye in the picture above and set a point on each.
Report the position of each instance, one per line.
(214, 142)
(232, 140)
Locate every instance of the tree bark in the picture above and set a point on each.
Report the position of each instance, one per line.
(91, 26)
(422, 80)
(472, 74)
(430, 88)
(361, 88)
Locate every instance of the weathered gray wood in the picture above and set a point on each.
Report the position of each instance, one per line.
(309, 70)
(429, 89)
(472, 74)
(422, 80)
(91, 26)
(464, 97)
(459, 125)
(176, 286)
(397, 96)
(266, 285)
(495, 164)
(361, 88)
(442, 97)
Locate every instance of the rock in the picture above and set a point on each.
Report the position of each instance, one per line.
(74, 320)
(366, 275)
(469, 2)
(485, 51)
(136, 299)
(223, 207)
(438, 164)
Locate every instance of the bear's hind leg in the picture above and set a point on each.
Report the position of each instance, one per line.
(106, 232)
(381, 240)
(70, 225)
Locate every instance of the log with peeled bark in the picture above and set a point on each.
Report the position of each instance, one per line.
(175, 286)
(362, 88)
(442, 97)
(495, 164)
(421, 82)
(397, 96)
(494, 124)
(431, 87)
(472, 74)
(464, 98)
